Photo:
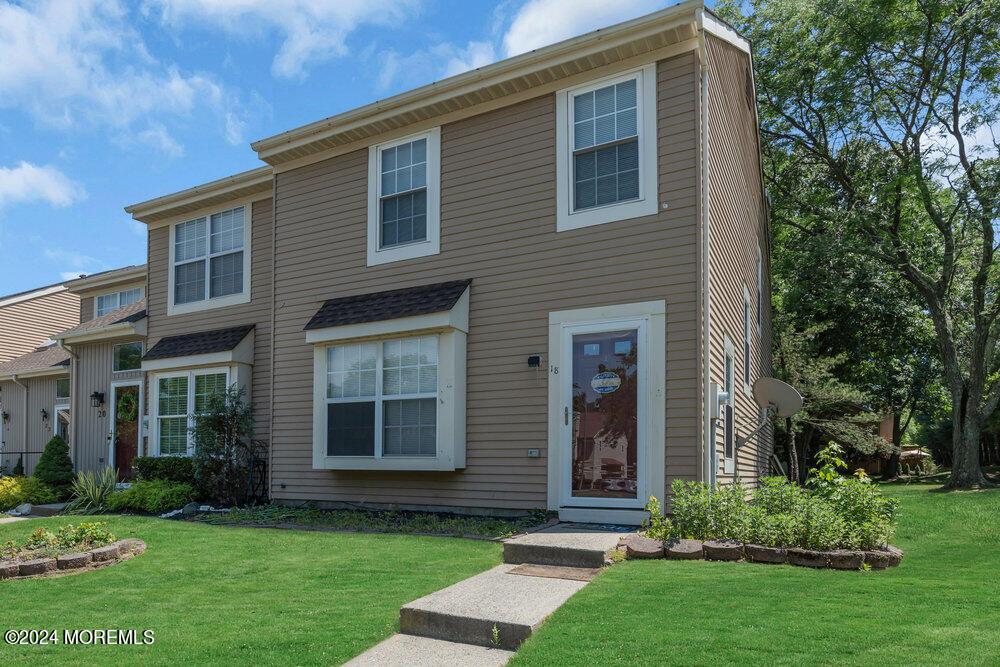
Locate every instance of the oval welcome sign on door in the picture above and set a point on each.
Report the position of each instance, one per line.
(606, 382)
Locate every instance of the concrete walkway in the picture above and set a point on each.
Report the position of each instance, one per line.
(484, 619)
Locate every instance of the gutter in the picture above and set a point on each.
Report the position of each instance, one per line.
(708, 448)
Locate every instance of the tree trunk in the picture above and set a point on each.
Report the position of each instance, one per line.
(966, 471)
(892, 467)
(793, 459)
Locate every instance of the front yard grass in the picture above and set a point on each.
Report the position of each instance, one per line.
(940, 606)
(222, 595)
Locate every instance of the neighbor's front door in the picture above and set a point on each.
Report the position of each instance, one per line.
(604, 420)
(126, 433)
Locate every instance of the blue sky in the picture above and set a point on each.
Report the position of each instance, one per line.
(105, 103)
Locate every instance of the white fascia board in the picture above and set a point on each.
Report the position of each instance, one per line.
(241, 354)
(456, 318)
(28, 296)
(713, 25)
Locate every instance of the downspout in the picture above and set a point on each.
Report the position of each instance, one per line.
(73, 373)
(274, 293)
(24, 413)
(708, 449)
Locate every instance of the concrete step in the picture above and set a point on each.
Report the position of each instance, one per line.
(468, 611)
(411, 651)
(569, 545)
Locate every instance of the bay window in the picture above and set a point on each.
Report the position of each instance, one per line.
(178, 397)
(210, 261)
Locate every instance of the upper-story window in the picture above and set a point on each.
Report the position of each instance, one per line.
(606, 142)
(106, 303)
(210, 261)
(62, 388)
(404, 198)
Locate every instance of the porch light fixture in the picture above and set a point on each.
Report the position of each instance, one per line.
(96, 399)
(6, 416)
(45, 415)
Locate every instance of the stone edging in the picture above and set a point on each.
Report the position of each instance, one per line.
(638, 546)
(74, 562)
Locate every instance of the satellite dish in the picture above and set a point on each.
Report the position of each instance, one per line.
(782, 397)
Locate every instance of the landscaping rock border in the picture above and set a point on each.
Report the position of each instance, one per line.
(73, 563)
(638, 546)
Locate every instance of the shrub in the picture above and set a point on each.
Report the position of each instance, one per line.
(776, 495)
(90, 492)
(822, 528)
(152, 496)
(16, 491)
(658, 526)
(730, 520)
(178, 469)
(692, 505)
(55, 467)
(44, 542)
(224, 446)
(18, 470)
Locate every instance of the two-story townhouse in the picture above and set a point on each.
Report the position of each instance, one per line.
(511, 289)
(33, 374)
(107, 386)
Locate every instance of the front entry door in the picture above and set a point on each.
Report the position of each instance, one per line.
(126, 433)
(603, 426)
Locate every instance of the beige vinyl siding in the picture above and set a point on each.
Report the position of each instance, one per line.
(738, 228)
(41, 395)
(257, 311)
(498, 186)
(25, 325)
(88, 307)
(91, 426)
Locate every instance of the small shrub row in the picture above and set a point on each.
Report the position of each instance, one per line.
(851, 514)
(68, 538)
(151, 496)
(177, 469)
(16, 491)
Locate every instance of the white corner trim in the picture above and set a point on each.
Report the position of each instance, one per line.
(432, 245)
(218, 302)
(457, 318)
(241, 354)
(648, 201)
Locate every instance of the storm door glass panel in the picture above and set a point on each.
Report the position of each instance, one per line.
(605, 419)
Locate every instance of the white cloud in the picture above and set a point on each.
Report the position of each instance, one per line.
(436, 62)
(312, 31)
(73, 62)
(159, 138)
(542, 22)
(75, 263)
(27, 183)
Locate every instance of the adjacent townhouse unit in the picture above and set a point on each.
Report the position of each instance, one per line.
(33, 374)
(71, 385)
(516, 288)
(107, 386)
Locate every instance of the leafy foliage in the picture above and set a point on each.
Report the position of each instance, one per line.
(44, 543)
(55, 467)
(152, 496)
(224, 446)
(170, 468)
(90, 491)
(17, 490)
(658, 526)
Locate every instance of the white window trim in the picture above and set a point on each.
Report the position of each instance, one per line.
(59, 398)
(61, 406)
(729, 462)
(154, 404)
(647, 203)
(222, 301)
(760, 289)
(431, 246)
(142, 350)
(747, 351)
(117, 292)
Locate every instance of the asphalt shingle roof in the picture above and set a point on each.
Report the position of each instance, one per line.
(203, 342)
(390, 305)
(130, 313)
(42, 358)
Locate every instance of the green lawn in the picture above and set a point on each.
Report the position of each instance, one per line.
(941, 606)
(220, 595)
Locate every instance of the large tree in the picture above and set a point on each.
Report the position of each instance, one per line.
(883, 115)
